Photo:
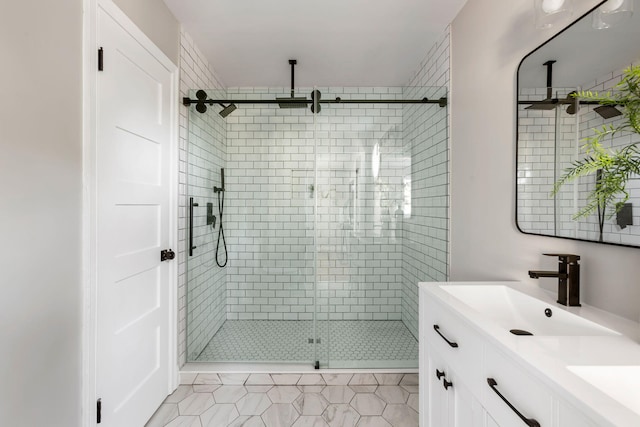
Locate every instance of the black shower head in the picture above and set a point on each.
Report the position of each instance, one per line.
(546, 104)
(226, 110)
(607, 111)
(293, 102)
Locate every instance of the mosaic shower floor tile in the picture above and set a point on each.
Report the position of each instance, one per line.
(342, 343)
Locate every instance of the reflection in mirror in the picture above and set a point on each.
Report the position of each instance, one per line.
(590, 55)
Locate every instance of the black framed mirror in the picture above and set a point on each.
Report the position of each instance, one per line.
(553, 124)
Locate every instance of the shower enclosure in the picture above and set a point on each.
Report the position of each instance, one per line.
(331, 215)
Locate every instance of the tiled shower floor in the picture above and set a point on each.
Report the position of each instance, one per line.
(351, 344)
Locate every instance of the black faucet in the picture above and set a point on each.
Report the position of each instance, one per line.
(568, 275)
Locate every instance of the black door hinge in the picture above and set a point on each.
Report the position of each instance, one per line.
(99, 411)
(100, 59)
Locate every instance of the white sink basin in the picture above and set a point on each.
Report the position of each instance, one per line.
(515, 310)
(619, 382)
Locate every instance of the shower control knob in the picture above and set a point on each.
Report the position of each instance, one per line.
(167, 254)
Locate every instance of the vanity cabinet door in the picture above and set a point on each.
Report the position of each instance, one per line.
(464, 409)
(450, 401)
(437, 404)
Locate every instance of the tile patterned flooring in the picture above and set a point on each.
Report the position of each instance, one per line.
(292, 400)
(348, 342)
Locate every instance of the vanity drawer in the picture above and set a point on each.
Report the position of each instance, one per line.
(528, 396)
(456, 341)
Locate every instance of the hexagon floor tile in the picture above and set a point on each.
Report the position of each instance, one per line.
(296, 401)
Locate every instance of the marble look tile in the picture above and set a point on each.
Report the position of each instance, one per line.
(410, 388)
(410, 379)
(165, 413)
(368, 404)
(310, 421)
(400, 416)
(258, 388)
(280, 415)
(187, 378)
(388, 379)
(285, 379)
(410, 383)
(259, 379)
(207, 379)
(373, 422)
(337, 379)
(233, 379)
(229, 393)
(181, 392)
(186, 421)
(283, 394)
(220, 414)
(206, 388)
(413, 402)
(364, 388)
(247, 421)
(338, 393)
(340, 415)
(253, 404)
(311, 388)
(311, 379)
(195, 404)
(392, 394)
(310, 404)
(363, 379)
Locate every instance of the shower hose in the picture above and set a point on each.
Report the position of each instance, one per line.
(221, 231)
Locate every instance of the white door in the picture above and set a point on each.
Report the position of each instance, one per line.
(134, 135)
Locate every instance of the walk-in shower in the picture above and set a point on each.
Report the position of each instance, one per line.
(324, 253)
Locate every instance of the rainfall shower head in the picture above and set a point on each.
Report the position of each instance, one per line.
(607, 111)
(292, 101)
(226, 110)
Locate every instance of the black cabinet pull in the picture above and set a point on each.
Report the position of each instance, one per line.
(528, 421)
(451, 343)
(447, 384)
(439, 374)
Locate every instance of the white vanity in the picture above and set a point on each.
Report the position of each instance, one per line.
(579, 368)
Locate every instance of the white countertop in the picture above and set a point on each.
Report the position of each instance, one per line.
(549, 357)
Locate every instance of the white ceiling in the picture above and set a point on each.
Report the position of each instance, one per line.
(336, 42)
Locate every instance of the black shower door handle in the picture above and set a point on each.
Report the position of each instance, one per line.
(191, 206)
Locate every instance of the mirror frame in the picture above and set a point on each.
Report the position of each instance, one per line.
(586, 14)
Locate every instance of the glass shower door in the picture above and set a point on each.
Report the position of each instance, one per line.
(259, 307)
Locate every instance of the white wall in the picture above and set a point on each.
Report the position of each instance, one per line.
(489, 38)
(40, 212)
(155, 19)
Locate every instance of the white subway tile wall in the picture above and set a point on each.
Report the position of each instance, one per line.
(272, 189)
(425, 248)
(548, 143)
(201, 308)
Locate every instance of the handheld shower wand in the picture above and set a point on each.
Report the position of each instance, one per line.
(220, 192)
